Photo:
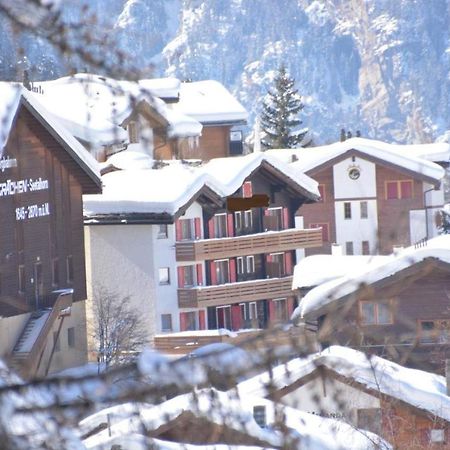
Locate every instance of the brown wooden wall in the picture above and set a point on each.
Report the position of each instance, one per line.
(321, 212)
(57, 235)
(393, 215)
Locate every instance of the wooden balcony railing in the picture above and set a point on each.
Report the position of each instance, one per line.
(269, 241)
(227, 294)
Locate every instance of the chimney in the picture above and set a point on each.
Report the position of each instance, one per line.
(447, 375)
(336, 250)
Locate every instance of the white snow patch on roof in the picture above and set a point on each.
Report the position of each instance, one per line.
(208, 102)
(336, 289)
(162, 87)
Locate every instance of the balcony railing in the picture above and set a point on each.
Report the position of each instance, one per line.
(269, 241)
(227, 294)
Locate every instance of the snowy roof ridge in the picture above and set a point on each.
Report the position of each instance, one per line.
(17, 95)
(147, 190)
(336, 289)
(423, 390)
(410, 157)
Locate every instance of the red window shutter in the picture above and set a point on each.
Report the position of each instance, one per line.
(235, 317)
(288, 263)
(211, 228)
(201, 320)
(266, 212)
(199, 275)
(232, 270)
(391, 190)
(230, 224)
(247, 190)
(272, 313)
(269, 258)
(178, 232)
(180, 271)
(290, 305)
(213, 273)
(405, 189)
(198, 230)
(322, 193)
(285, 218)
(183, 322)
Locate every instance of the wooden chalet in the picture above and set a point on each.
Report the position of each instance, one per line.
(44, 173)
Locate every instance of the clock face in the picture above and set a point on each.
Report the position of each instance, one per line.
(354, 173)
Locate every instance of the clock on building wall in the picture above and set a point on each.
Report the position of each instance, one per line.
(354, 172)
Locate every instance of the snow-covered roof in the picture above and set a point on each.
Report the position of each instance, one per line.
(236, 413)
(140, 189)
(165, 88)
(209, 102)
(423, 390)
(337, 289)
(12, 95)
(415, 158)
(92, 107)
(318, 269)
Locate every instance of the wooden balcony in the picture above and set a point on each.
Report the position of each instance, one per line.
(269, 241)
(227, 294)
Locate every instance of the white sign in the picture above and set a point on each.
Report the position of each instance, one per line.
(12, 187)
(32, 211)
(7, 163)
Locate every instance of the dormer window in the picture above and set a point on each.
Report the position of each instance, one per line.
(133, 132)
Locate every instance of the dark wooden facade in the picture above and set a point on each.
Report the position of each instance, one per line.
(417, 330)
(41, 223)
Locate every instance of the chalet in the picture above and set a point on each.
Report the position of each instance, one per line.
(373, 195)
(408, 408)
(172, 119)
(170, 236)
(380, 305)
(43, 173)
(209, 418)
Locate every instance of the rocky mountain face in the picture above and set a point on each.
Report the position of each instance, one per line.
(378, 66)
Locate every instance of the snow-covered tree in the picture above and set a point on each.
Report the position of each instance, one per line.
(280, 121)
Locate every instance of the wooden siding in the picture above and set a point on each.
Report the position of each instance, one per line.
(247, 245)
(227, 294)
(393, 215)
(42, 239)
(321, 212)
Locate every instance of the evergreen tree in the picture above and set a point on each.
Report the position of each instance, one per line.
(279, 117)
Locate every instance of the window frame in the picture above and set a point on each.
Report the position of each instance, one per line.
(364, 209)
(247, 259)
(164, 281)
(248, 218)
(365, 247)
(347, 210)
(165, 233)
(163, 328)
(349, 248)
(399, 190)
(240, 265)
(216, 218)
(71, 337)
(238, 223)
(376, 312)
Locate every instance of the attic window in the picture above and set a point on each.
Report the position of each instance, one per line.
(133, 132)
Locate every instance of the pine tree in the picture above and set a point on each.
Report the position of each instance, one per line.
(279, 117)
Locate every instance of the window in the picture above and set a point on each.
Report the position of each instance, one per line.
(222, 271)
(275, 265)
(69, 268)
(434, 331)
(259, 414)
(248, 219)
(349, 248)
(188, 321)
(240, 265)
(280, 310)
(376, 313)
(250, 264)
(325, 233)
(365, 248)
(186, 229)
(71, 337)
(223, 315)
(347, 210)
(220, 225)
(55, 272)
(437, 435)
(189, 279)
(399, 189)
(322, 193)
(162, 231)
(273, 219)
(56, 342)
(238, 220)
(164, 275)
(166, 322)
(243, 312)
(21, 273)
(364, 210)
(252, 311)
